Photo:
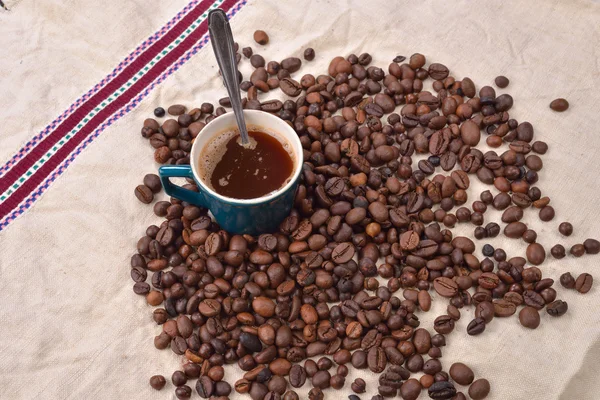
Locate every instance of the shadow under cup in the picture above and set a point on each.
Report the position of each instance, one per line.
(251, 216)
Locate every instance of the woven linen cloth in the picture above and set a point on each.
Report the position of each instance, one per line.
(70, 325)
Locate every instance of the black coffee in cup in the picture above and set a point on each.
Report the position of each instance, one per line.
(240, 172)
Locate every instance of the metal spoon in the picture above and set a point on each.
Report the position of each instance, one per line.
(222, 44)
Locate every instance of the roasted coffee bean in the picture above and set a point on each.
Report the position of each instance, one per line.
(479, 389)
(515, 230)
(250, 342)
(178, 378)
(261, 37)
(409, 240)
(462, 374)
(258, 391)
(291, 64)
(584, 283)
(321, 379)
(577, 250)
(488, 280)
(205, 387)
(441, 390)
(176, 109)
(567, 280)
(376, 359)
(421, 341)
(535, 253)
(445, 287)
(529, 236)
(559, 105)
(386, 391)
(443, 324)
(485, 310)
(503, 308)
(476, 326)
(242, 386)
(290, 87)
(438, 71)
(529, 317)
(591, 246)
(144, 194)
(315, 394)
(359, 359)
(158, 382)
(358, 386)
(191, 369)
(533, 299)
(183, 392)
(501, 81)
(558, 251)
(159, 112)
(470, 133)
(297, 376)
(547, 213)
(247, 51)
(565, 228)
(410, 389)
(152, 181)
(309, 54)
(342, 253)
(557, 308)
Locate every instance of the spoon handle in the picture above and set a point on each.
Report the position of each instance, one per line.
(222, 44)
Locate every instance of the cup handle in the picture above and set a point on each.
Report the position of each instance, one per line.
(179, 171)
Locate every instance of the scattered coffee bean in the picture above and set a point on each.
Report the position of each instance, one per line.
(501, 81)
(158, 382)
(577, 250)
(584, 283)
(316, 394)
(557, 308)
(592, 246)
(159, 112)
(410, 389)
(144, 194)
(183, 392)
(479, 389)
(567, 280)
(178, 378)
(152, 181)
(529, 317)
(559, 105)
(558, 251)
(547, 213)
(488, 250)
(247, 51)
(309, 54)
(358, 386)
(261, 37)
(461, 374)
(176, 109)
(386, 391)
(257, 61)
(535, 253)
(565, 228)
(476, 326)
(441, 390)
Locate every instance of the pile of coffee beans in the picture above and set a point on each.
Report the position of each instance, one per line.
(386, 174)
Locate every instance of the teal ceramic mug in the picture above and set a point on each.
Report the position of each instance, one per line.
(252, 216)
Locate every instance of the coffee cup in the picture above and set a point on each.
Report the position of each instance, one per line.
(251, 216)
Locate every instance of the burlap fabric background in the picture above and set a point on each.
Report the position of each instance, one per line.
(70, 325)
